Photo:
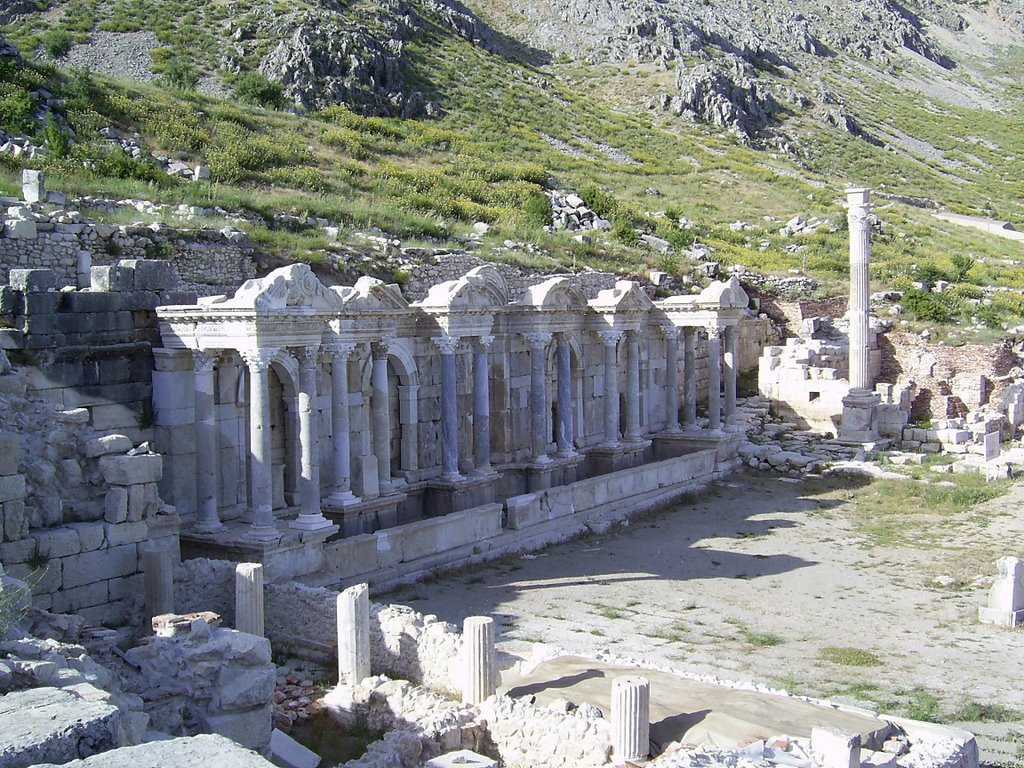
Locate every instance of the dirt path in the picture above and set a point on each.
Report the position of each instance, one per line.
(768, 580)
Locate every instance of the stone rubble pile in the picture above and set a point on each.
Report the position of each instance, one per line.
(569, 211)
(133, 147)
(296, 700)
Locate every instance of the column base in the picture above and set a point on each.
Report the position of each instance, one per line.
(342, 499)
(310, 523)
(262, 534)
(540, 461)
(1001, 618)
(211, 526)
(860, 410)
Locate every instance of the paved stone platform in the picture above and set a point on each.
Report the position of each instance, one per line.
(692, 711)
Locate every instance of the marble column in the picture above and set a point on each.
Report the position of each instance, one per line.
(158, 579)
(671, 334)
(715, 378)
(380, 413)
(610, 339)
(449, 408)
(564, 432)
(353, 608)
(207, 454)
(249, 598)
(539, 419)
(689, 378)
(482, 405)
(631, 719)
(260, 450)
(632, 386)
(341, 444)
(860, 286)
(729, 372)
(310, 517)
(479, 672)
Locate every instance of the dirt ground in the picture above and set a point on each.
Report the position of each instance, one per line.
(766, 579)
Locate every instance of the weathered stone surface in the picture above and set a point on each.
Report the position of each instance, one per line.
(184, 752)
(131, 470)
(101, 446)
(54, 725)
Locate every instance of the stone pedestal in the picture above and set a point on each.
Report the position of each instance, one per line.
(158, 581)
(365, 515)
(479, 669)
(354, 635)
(442, 497)
(631, 724)
(1006, 597)
(249, 598)
(860, 410)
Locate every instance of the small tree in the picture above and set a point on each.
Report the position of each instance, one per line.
(56, 43)
(255, 88)
(962, 264)
(180, 75)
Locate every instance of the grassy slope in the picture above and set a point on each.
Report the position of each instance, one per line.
(488, 158)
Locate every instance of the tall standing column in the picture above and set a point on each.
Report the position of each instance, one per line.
(538, 397)
(860, 286)
(689, 378)
(310, 517)
(671, 334)
(249, 598)
(610, 339)
(260, 448)
(564, 431)
(478, 659)
(158, 579)
(207, 464)
(353, 607)
(632, 386)
(715, 378)
(482, 405)
(631, 718)
(341, 443)
(449, 408)
(380, 413)
(729, 369)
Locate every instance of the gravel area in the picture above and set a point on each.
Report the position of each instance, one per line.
(116, 54)
(757, 580)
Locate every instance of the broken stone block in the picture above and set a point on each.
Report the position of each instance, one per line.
(1006, 597)
(33, 186)
(288, 752)
(32, 280)
(51, 725)
(462, 757)
(835, 749)
(132, 470)
(101, 446)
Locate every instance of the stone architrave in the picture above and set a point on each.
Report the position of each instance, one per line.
(249, 598)
(631, 718)
(1006, 597)
(207, 453)
(447, 345)
(310, 516)
(538, 343)
(479, 669)
(353, 635)
(860, 406)
(263, 527)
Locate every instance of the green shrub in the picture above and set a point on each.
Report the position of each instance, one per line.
(255, 88)
(962, 264)
(180, 75)
(624, 232)
(600, 201)
(928, 307)
(56, 139)
(1009, 301)
(17, 109)
(119, 164)
(990, 317)
(56, 43)
(967, 291)
(930, 275)
(537, 210)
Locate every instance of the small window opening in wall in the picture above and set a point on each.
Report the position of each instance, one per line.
(812, 396)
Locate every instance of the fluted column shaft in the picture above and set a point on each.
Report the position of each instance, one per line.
(310, 517)
(689, 378)
(380, 413)
(482, 405)
(353, 606)
(449, 408)
(632, 386)
(538, 396)
(341, 444)
(207, 464)
(249, 598)
(671, 377)
(610, 339)
(714, 378)
(565, 410)
(631, 718)
(480, 678)
(729, 372)
(860, 286)
(260, 447)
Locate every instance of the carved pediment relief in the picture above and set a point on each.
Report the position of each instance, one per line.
(371, 295)
(481, 289)
(284, 288)
(724, 295)
(626, 296)
(555, 293)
